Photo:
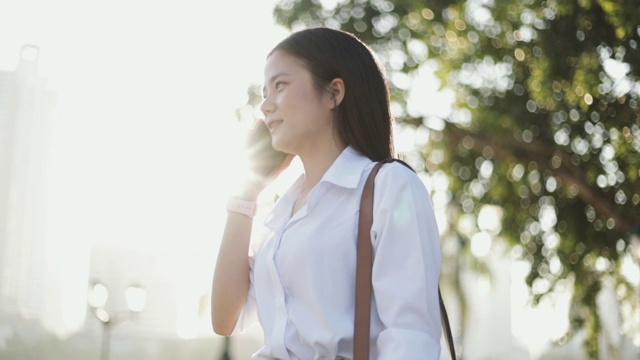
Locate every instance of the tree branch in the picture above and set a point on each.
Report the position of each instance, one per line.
(541, 152)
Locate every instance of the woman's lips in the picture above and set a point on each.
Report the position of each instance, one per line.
(273, 124)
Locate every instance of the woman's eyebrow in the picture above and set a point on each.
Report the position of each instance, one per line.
(277, 75)
(271, 80)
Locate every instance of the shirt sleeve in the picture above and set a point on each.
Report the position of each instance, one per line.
(406, 266)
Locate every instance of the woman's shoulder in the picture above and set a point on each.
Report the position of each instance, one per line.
(398, 175)
(397, 170)
(397, 183)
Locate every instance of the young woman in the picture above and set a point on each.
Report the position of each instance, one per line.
(326, 101)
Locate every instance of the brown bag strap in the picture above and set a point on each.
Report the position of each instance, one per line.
(361, 333)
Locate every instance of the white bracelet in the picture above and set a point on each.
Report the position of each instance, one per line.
(243, 207)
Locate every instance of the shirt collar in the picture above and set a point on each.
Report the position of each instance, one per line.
(346, 171)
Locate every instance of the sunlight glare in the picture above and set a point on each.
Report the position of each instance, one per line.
(630, 270)
(481, 244)
(490, 219)
(145, 145)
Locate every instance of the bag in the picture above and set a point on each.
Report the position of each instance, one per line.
(363, 275)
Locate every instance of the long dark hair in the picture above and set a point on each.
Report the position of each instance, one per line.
(363, 119)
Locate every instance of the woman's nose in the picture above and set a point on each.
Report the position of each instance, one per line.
(267, 106)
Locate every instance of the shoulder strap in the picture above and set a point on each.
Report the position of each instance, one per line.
(361, 335)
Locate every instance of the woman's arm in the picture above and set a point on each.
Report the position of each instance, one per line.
(231, 278)
(406, 266)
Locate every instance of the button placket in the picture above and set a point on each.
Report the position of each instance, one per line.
(282, 317)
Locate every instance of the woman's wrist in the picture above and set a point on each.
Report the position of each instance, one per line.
(244, 207)
(250, 190)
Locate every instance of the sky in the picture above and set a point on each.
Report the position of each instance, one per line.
(145, 145)
(146, 97)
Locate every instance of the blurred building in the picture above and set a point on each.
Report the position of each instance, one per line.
(26, 112)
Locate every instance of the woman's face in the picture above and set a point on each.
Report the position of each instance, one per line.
(299, 117)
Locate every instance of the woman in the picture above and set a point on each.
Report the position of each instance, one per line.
(326, 101)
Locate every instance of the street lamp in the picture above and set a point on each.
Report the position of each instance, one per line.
(226, 350)
(136, 298)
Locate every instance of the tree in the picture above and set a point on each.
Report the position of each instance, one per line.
(545, 124)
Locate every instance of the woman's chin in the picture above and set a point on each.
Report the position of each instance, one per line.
(277, 145)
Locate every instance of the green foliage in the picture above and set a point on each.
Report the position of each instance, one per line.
(546, 122)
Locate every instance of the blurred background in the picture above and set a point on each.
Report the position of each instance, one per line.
(121, 130)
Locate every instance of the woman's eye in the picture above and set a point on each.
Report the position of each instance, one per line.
(279, 84)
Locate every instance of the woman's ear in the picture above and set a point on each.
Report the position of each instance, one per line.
(336, 90)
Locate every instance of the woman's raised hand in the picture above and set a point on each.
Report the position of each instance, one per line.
(265, 163)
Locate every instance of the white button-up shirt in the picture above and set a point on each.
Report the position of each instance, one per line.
(303, 273)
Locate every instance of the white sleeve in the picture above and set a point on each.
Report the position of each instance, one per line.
(406, 266)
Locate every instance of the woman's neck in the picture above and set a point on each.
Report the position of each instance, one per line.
(317, 163)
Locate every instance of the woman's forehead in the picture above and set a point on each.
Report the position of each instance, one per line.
(282, 61)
